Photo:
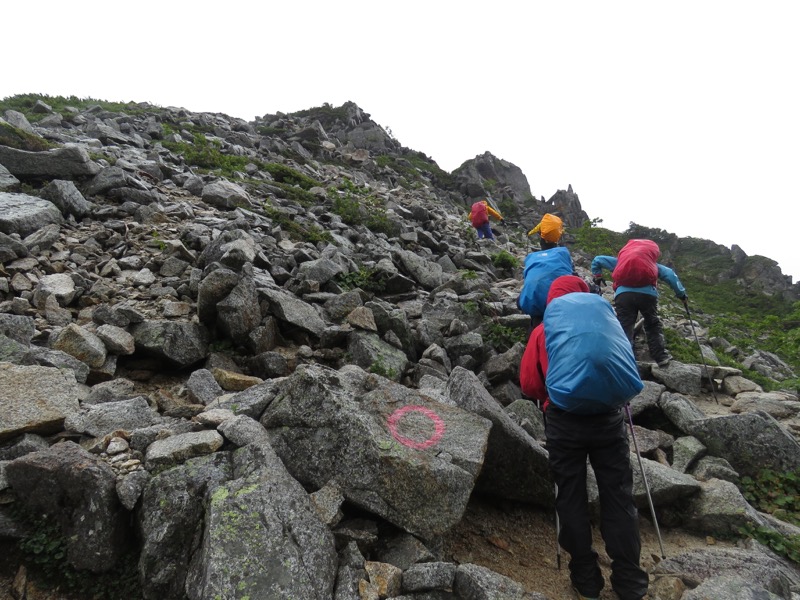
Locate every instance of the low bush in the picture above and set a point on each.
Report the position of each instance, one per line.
(380, 368)
(22, 140)
(775, 493)
(503, 337)
(369, 280)
(505, 260)
(779, 495)
(297, 231)
(357, 206)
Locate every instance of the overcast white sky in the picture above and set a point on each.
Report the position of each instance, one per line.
(683, 115)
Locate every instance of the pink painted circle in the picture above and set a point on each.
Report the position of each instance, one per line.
(438, 427)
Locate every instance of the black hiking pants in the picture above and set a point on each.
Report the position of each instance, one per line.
(571, 439)
(628, 305)
(545, 245)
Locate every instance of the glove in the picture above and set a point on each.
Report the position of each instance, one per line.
(685, 301)
(598, 279)
(502, 221)
(595, 288)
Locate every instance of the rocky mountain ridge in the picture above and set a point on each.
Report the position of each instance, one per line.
(270, 359)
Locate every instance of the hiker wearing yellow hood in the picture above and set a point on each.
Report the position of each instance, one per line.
(550, 230)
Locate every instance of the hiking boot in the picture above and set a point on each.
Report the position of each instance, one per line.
(582, 597)
(664, 361)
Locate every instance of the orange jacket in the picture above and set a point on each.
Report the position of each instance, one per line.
(550, 228)
(492, 212)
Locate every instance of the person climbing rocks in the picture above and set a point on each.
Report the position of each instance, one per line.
(578, 430)
(635, 274)
(479, 216)
(550, 230)
(540, 270)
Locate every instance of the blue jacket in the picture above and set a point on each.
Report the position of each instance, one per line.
(664, 274)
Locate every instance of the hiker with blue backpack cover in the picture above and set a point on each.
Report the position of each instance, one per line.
(541, 269)
(636, 273)
(579, 363)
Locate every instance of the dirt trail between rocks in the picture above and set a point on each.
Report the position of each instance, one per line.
(519, 541)
(513, 539)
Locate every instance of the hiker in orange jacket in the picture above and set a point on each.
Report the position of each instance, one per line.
(550, 230)
(479, 216)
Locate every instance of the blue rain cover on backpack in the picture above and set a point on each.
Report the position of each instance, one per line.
(591, 364)
(541, 269)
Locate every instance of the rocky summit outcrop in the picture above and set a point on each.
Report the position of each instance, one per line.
(269, 360)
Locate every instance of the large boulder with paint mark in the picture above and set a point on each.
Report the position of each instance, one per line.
(393, 451)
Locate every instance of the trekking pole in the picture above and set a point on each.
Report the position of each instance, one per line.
(558, 522)
(558, 529)
(644, 479)
(700, 348)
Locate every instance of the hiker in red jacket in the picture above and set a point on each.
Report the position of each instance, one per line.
(479, 217)
(571, 438)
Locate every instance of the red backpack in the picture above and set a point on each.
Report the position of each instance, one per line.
(636, 264)
(479, 215)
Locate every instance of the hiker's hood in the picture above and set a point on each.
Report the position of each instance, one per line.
(566, 284)
(646, 247)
